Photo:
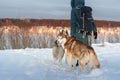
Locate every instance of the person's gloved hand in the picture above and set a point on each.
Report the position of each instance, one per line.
(95, 35)
(81, 31)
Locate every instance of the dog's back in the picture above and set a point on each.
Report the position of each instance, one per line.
(84, 53)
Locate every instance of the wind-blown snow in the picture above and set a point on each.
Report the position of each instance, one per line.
(37, 64)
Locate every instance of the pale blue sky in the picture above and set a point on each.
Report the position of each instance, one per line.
(57, 9)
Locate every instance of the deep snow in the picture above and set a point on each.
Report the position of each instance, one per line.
(37, 64)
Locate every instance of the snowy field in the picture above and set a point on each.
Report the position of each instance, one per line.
(37, 64)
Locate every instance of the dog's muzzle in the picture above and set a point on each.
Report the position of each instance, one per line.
(57, 43)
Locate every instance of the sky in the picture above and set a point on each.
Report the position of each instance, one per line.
(57, 9)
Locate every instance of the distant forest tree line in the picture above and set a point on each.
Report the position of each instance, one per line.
(50, 22)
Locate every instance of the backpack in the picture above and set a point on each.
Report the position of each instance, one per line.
(86, 19)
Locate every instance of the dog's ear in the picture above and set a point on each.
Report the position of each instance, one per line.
(67, 32)
(61, 31)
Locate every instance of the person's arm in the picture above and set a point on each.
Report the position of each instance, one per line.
(94, 27)
(94, 30)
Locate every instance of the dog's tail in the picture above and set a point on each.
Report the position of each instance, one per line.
(94, 57)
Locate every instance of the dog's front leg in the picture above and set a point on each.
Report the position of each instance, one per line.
(69, 59)
(74, 62)
(66, 56)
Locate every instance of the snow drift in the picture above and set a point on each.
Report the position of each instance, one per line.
(37, 64)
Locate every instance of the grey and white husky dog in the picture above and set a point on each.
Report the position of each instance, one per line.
(58, 52)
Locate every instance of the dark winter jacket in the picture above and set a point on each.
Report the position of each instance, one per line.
(77, 3)
(75, 14)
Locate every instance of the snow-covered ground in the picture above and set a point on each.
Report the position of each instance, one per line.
(37, 64)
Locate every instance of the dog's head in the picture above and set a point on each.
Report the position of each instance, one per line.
(62, 37)
(57, 43)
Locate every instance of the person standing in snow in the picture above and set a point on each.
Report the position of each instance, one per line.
(82, 23)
